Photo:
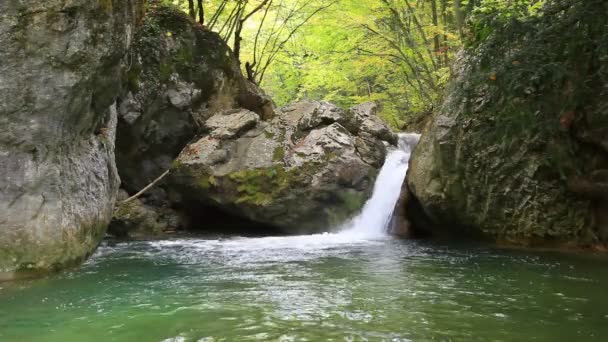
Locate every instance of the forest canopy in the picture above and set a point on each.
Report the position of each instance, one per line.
(395, 52)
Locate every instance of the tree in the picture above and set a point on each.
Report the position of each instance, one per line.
(191, 11)
(201, 12)
(288, 20)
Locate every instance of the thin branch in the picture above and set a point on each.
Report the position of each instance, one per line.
(146, 188)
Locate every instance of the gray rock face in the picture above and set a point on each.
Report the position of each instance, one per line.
(365, 116)
(229, 124)
(302, 172)
(180, 76)
(516, 160)
(59, 78)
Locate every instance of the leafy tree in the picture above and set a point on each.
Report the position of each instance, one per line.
(395, 52)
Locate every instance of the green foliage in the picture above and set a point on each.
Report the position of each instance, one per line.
(494, 15)
(357, 52)
(348, 53)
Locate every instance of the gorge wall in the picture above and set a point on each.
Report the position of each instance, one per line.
(60, 71)
(519, 150)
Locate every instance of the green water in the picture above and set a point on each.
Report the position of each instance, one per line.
(319, 288)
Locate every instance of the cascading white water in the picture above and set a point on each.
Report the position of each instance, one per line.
(377, 213)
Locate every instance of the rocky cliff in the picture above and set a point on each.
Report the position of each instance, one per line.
(519, 150)
(60, 70)
(230, 154)
(92, 89)
(179, 74)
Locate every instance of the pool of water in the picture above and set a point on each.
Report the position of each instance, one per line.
(312, 288)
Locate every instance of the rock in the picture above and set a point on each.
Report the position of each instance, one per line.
(501, 163)
(182, 95)
(230, 124)
(302, 172)
(59, 78)
(136, 219)
(130, 110)
(254, 98)
(400, 225)
(317, 113)
(181, 74)
(365, 117)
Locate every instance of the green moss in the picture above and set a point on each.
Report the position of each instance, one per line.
(262, 186)
(127, 210)
(132, 78)
(176, 164)
(527, 95)
(353, 200)
(165, 71)
(278, 154)
(203, 182)
(184, 56)
(330, 156)
(106, 6)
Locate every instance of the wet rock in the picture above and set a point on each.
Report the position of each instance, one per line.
(400, 225)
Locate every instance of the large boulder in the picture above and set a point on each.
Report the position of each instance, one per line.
(307, 170)
(179, 75)
(518, 150)
(60, 74)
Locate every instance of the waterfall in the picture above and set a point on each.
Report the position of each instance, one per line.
(376, 215)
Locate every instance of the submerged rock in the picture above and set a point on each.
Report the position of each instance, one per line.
(511, 158)
(59, 77)
(303, 172)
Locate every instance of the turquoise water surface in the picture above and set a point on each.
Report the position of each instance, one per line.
(312, 288)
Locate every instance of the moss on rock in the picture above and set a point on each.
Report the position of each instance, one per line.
(497, 158)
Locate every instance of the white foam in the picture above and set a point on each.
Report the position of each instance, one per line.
(374, 219)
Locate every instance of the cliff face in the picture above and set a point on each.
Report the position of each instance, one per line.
(519, 150)
(179, 75)
(60, 70)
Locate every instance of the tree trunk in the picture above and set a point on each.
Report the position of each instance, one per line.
(436, 36)
(459, 16)
(201, 12)
(238, 39)
(250, 72)
(191, 11)
(444, 15)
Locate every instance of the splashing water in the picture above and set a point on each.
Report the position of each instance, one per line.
(377, 213)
